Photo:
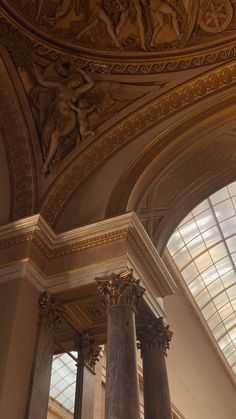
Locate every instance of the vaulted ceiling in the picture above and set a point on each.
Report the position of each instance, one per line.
(109, 106)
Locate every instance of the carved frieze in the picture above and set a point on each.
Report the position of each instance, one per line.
(128, 25)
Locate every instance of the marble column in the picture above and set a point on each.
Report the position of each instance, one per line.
(122, 294)
(154, 338)
(49, 319)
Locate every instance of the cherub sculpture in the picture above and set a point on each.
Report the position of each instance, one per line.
(83, 109)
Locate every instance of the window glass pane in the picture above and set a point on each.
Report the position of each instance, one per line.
(203, 298)
(196, 286)
(200, 208)
(231, 242)
(223, 266)
(209, 275)
(203, 262)
(228, 227)
(221, 300)
(63, 379)
(190, 272)
(219, 196)
(196, 246)
(182, 258)
(175, 243)
(224, 210)
(229, 349)
(208, 264)
(205, 220)
(226, 311)
(229, 278)
(232, 333)
(232, 189)
(214, 321)
(218, 252)
(224, 342)
(219, 331)
(215, 288)
(209, 310)
(189, 230)
(212, 236)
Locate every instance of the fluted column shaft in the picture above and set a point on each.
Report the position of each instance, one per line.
(154, 340)
(122, 294)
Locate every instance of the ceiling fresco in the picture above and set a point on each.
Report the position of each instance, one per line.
(130, 25)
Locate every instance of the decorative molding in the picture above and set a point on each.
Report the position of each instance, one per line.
(50, 311)
(121, 289)
(15, 135)
(154, 335)
(131, 128)
(91, 351)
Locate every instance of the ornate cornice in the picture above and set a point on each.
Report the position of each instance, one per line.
(131, 128)
(121, 289)
(154, 335)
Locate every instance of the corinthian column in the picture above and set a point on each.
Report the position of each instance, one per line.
(122, 294)
(154, 338)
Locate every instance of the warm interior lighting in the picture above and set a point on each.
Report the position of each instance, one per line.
(204, 250)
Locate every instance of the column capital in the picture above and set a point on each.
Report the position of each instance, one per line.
(154, 334)
(91, 351)
(50, 311)
(121, 289)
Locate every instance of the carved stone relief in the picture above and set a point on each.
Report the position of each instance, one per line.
(130, 25)
(69, 104)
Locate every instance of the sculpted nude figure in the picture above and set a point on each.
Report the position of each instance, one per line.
(126, 12)
(83, 110)
(63, 115)
(160, 8)
(98, 13)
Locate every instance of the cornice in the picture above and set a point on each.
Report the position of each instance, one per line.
(45, 248)
(132, 127)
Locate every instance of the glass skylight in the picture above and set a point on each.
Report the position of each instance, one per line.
(63, 380)
(204, 249)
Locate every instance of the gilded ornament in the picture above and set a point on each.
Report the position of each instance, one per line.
(154, 335)
(121, 288)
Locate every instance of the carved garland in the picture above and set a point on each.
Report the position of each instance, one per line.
(129, 129)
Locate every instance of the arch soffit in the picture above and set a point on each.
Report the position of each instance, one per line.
(17, 129)
(163, 184)
(150, 116)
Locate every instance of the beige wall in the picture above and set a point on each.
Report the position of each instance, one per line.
(18, 327)
(200, 388)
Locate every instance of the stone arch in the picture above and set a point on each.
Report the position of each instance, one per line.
(164, 183)
(164, 120)
(18, 132)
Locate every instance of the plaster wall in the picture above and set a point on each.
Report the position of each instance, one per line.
(199, 385)
(18, 328)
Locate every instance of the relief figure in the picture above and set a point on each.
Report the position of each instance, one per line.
(98, 14)
(62, 119)
(83, 110)
(160, 8)
(133, 11)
